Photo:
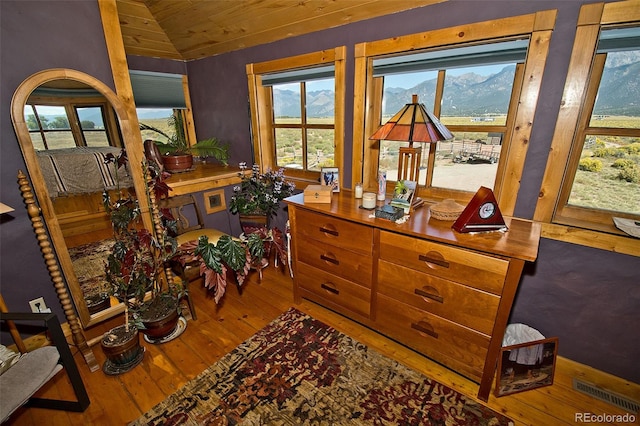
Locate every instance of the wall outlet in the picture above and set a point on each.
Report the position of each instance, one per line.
(38, 305)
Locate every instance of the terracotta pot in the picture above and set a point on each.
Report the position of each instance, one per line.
(177, 163)
(159, 326)
(120, 346)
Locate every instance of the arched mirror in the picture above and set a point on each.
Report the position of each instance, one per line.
(67, 122)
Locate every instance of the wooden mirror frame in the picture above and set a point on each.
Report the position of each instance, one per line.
(135, 156)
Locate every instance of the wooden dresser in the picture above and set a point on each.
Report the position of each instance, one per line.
(444, 294)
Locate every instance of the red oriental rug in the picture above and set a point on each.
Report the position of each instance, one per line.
(298, 370)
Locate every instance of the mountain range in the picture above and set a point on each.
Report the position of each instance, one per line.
(471, 94)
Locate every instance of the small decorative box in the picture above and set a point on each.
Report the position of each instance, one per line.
(389, 212)
(318, 194)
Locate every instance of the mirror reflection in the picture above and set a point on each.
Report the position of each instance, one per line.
(73, 130)
(67, 127)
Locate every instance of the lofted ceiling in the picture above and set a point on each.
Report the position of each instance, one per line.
(193, 29)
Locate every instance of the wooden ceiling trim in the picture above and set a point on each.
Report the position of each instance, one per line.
(141, 33)
(285, 24)
(200, 28)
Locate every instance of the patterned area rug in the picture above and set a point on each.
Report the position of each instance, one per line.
(298, 370)
(89, 261)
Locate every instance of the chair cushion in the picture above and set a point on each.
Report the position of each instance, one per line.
(24, 378)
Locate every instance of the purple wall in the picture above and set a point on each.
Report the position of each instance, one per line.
(37, 35)
(589, 298)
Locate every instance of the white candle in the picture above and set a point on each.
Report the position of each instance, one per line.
(369, 200)
(358, 190)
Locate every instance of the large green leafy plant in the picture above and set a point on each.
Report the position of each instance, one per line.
(214, 260)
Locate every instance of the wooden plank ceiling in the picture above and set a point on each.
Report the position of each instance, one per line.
(192, 29)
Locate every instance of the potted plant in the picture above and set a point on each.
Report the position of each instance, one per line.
(136, 265)
(257, 199)
(139, 275)
(216, 261)
(175, 151)
(135, 271)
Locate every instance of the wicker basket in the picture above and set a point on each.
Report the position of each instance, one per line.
(446, 210)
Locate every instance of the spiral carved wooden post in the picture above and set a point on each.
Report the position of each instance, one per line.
(54, 271)
(157, 225)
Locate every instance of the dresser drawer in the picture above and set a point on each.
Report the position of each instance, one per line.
(338, 232)
(343, 263)
(455, 264)
(453, 345)
(338, 291)
(456, 302)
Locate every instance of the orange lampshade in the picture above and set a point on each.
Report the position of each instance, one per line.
(413, 123)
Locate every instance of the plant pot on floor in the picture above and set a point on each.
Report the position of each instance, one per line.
(161, 320)
(121, 346)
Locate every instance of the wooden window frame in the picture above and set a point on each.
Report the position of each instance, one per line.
(260, 99)
(579, 225)
(538, 27)
(70, 104)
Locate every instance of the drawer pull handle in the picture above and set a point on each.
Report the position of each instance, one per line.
(423, 293)
(330, 259)
(435, 258)
(424, 327)
(329, 289)
(329, 231)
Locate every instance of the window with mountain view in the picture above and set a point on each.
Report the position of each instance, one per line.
(472, 77)
(304, 124)
(603, 175)
(591, 183)
(469, 88)
(473, 105)
(297, 113)
(608, 172)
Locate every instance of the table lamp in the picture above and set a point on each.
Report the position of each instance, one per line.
(413, 123)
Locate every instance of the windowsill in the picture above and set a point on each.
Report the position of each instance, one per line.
(601, 240)
(205, 176)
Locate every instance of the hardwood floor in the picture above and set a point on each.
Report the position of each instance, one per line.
(117, 400)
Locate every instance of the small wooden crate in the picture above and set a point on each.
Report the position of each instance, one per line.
(318, 194)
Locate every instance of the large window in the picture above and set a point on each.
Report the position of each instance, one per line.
(474, 105)
(297, 113)
(593, 175)
(303, 122)
(472, 78)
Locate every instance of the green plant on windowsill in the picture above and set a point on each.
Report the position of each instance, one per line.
(177, 144)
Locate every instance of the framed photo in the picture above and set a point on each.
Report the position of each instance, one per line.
(526, 366)
(330, 176)
(214, 201)
(403, 194)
